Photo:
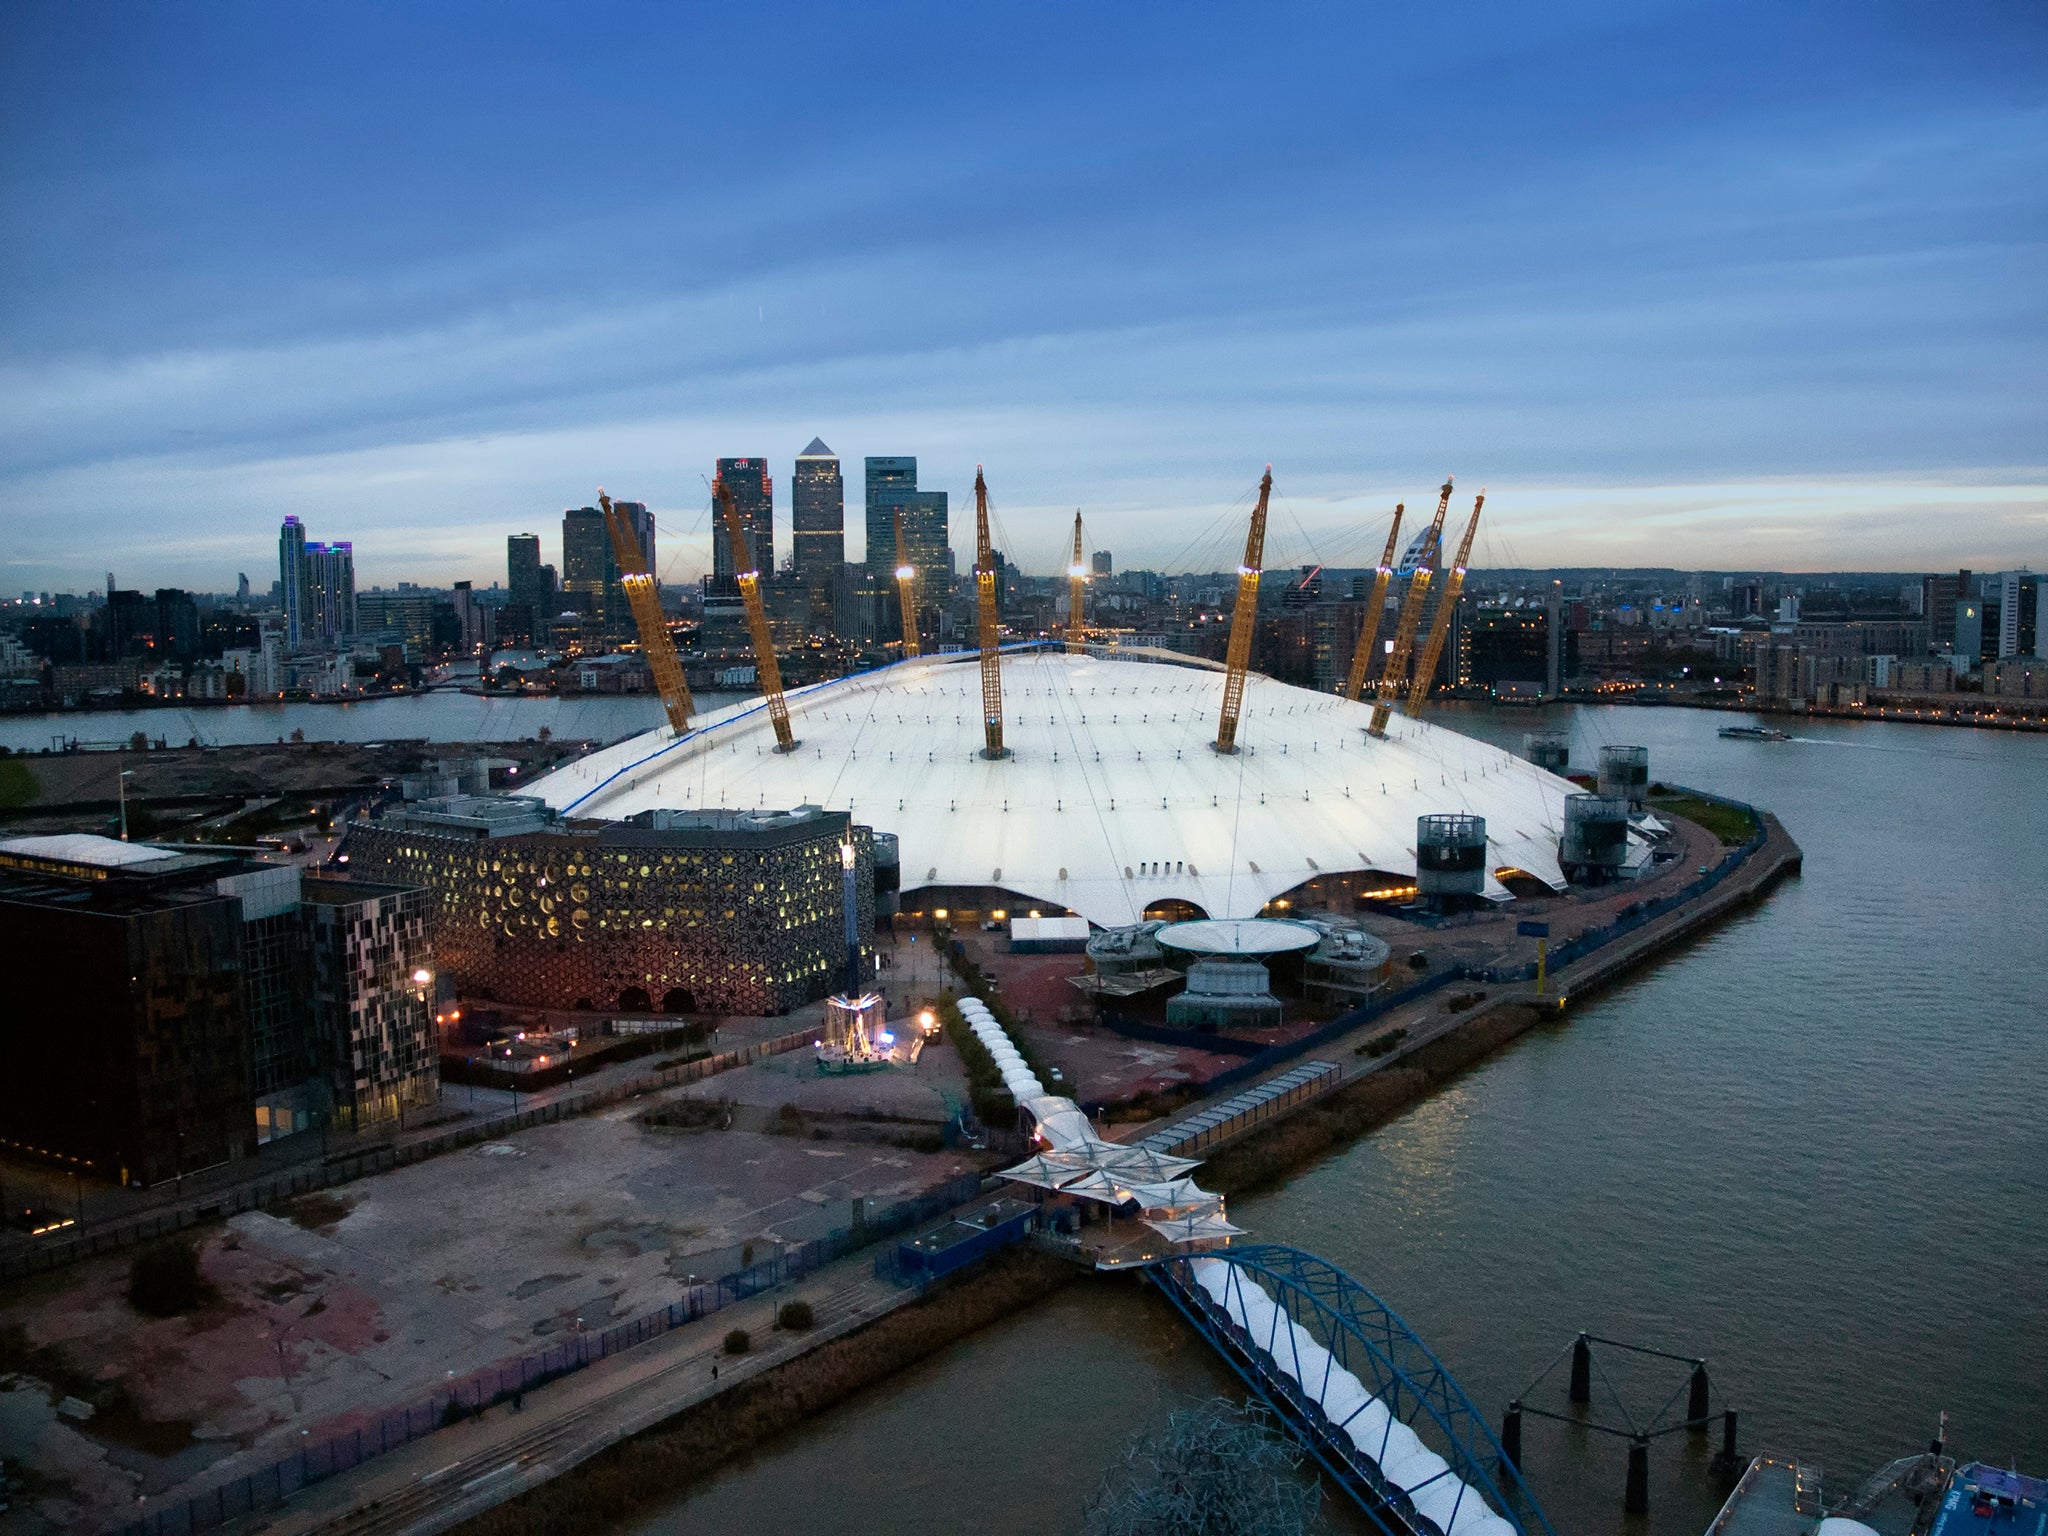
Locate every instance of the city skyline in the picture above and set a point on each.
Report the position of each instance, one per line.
(1670, 283)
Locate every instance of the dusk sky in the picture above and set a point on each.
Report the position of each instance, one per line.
(1732, 285)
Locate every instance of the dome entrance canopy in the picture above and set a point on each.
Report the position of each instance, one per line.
(1252, 938)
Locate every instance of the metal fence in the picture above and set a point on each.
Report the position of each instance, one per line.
(336, 1453)
(345, 1167)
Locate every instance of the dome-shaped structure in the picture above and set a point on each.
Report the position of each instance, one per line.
(1111, 799)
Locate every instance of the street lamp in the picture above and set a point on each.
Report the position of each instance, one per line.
(121, 785)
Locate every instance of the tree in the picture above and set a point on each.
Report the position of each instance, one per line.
(165, 1280)
(1217, 1469)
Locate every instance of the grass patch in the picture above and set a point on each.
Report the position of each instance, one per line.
(638, 1476)
(18, 786)
(993, 1105)
(1732, 824)
(690, 1115)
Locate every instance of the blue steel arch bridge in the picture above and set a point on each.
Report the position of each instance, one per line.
(1354, 1383)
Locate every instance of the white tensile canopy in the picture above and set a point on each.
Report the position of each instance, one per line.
(1109, 799)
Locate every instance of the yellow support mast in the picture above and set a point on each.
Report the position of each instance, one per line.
(1369, 631)
(1446, 609)
(1244, 620)
(643, 596)
(985, 595)
(1411, 616)
(749, 577)
(1077, 594)
(906, 591)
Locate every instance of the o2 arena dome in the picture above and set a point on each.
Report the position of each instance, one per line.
(1110, 798)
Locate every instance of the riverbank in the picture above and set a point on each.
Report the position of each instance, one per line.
(628, 1481)
(635, 1476)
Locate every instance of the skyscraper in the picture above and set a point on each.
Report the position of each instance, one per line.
(588, 567)
(531, 588)
(329, 588)
(818, 523)
(590, 570)
(892, 488)
(753, 497)
(317, 586)
(818, 514)
(291, 577)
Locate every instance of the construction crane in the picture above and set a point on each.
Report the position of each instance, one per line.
(1411, 616)
(1244, 620)
(906, 591)
(1446, 607)
(749, 577)
(644, 598)
(985, 592)
(1077, 594)
(1369, 631)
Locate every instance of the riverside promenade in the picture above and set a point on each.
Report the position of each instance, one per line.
(436, 1482)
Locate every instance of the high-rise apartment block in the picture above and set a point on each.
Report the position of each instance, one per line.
(317, 584)
(753, 497)
(892, 488)
(291, 577)
(1102, 562)
(2017, 594)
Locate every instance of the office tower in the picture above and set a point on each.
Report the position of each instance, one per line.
(892, 488)
(590, 569)
(328, 594)
(753, 497)
(818, 521)
(242, 587)
(530, 588)
(1102, 562)
(291, 577)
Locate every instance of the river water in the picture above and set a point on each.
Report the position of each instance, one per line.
(444, 715)
(1809, 1147)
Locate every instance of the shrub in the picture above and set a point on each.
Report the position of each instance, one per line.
(795, 1315)
(737, 1342)
(165, 1280)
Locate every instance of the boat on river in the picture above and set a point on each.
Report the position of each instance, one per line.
(1753, 733)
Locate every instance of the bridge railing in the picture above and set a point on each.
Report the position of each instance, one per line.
(1362, 1335)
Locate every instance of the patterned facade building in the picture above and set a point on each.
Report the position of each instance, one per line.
(681, 911)
(372, 1012)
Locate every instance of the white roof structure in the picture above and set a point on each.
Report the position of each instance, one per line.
(1111, 798)
(86, 848)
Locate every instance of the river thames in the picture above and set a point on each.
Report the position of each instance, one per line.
(1810, 1147)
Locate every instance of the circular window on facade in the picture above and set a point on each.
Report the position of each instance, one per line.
(580, 918)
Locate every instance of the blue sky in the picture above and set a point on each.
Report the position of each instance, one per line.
(1720, 285)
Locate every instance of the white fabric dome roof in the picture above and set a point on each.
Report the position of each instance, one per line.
(1111, 798)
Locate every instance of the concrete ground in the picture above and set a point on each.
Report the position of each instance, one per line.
(365, 1297)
